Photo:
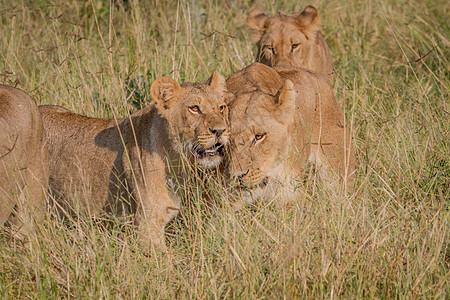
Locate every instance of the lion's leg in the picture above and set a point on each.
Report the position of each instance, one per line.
(337, 150)
(20, 219)
(331, 141)
(30, 207)
(37, 186)
(29, 210)
(152, 220)
(33, 200)
(7, 199)
(156, 204)
(339, 159)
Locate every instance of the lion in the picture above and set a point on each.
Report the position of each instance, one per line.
(135, 164)
(23, 161)
(283, 120)
(291, 40)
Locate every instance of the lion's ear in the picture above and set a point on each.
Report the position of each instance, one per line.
(285, 103)
(257, 76)
(217, 82)
(256, 21)
(309, 20)
(165, 92)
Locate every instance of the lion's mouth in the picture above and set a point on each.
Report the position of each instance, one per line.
(202, 153)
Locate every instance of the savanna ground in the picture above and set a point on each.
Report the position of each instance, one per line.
(387, 239)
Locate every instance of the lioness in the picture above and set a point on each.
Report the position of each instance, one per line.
(282, 119)
(23, 160)
(291, 40)
(103, 161)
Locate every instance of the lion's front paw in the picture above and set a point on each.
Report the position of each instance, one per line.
(151, 240)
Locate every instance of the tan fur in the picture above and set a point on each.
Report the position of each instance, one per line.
(298, 121)
(88, 157)
(23, 160)
(291, 40)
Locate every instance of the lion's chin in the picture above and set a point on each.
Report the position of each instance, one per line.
(210, 162)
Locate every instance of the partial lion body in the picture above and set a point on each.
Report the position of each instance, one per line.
(23, 159)
(282, 120)
(319, 123)
(132, 165)
(94, 159)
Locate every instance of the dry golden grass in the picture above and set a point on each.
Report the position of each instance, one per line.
(389, 239)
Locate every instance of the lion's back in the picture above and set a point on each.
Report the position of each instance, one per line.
(85, 155)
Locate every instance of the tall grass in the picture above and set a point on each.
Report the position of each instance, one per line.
(388, 239)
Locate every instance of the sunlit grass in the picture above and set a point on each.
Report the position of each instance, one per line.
(388, 239)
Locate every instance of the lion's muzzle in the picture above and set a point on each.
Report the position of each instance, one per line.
(252, 179)
(209, 150)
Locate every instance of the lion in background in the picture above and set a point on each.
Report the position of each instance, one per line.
(133, 165)
(23, 160)
(291, 40)
(282, 120)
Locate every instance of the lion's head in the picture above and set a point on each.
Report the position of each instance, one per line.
(291, 40)
(197, 116)
(285, 121)
(260, 118)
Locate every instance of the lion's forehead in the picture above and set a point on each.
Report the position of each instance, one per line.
(205, 98)
(283, 31)
(255, 120)
(284, 20)
(256, 108)
(243, 125)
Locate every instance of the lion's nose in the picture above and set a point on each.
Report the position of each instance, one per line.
(217, 132)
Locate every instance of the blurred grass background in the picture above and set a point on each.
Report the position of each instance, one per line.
(389, 239)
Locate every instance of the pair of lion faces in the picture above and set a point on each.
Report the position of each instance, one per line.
(208, 124)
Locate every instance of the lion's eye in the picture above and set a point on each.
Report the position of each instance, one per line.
(259, 137)
(294, 46)
(222, 107)
(270, 48)
(195, 109)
